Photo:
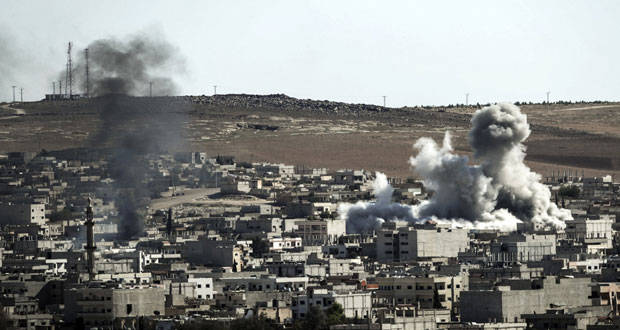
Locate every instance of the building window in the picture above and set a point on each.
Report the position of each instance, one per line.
(129, 308)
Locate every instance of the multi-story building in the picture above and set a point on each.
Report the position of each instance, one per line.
(98, 304)
(355, 304)
(411, 243)
(595, 231)
(22, 214)
(506, 303)
(319, 232)
(425, 292)
(523, 247)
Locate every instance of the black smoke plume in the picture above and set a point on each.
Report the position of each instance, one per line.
(9, 63)
(134, 127)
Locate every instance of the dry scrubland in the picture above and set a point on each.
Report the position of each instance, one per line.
(277, 128)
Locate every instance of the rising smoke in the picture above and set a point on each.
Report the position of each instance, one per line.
(498, 193)
(10, 63)
(366, 217)
(134, 127)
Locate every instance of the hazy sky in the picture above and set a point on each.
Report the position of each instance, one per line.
(415, 52)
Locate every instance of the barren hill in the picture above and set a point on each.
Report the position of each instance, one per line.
(279, 128)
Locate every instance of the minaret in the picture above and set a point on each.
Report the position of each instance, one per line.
(169, 224)
(90, 241)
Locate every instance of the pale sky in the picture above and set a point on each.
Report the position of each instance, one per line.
(414, 52)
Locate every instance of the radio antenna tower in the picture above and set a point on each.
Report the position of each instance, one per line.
(86, 68)
(69, 77)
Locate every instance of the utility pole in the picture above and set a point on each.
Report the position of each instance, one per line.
(214, 89)
(548, 100)
(466, 99)
(53, 87)
(150, 89)
(60, 87)
(13, 94)
(384, 100)
(87, 81)
(21, 94)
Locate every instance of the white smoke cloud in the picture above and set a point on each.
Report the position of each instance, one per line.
(364, 217)
(497, 194)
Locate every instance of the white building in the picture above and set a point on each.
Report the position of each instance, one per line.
(595, 231)
(203, 287)
(354, 304)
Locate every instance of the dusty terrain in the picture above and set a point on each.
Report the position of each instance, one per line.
(277, 128)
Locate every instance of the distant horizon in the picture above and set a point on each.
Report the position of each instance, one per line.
(345, 102)
(346, 51)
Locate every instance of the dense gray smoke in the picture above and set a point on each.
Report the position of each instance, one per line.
(9, 62)
(497, 137)
(118, 67)
(370, 216)
(134, 127)
(497, 194)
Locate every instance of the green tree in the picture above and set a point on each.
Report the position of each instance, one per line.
(62, 215)
(259, 246)
(315, 319)
(569, 191)
(335, 314)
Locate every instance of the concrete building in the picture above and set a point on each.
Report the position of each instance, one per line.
(278, 244)
(99, 304)
(235, 187)
(22, 214)
(523, 247)
(319, 232)
(595, 231)
(220, 253)
(508, 302)
(411, 243)
(425, 292)
(354, 304)
(204, 287)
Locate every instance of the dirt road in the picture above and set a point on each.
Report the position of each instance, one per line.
(201, 196)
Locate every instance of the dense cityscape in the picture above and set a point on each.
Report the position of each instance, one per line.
(217, 240)
(309, 165)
